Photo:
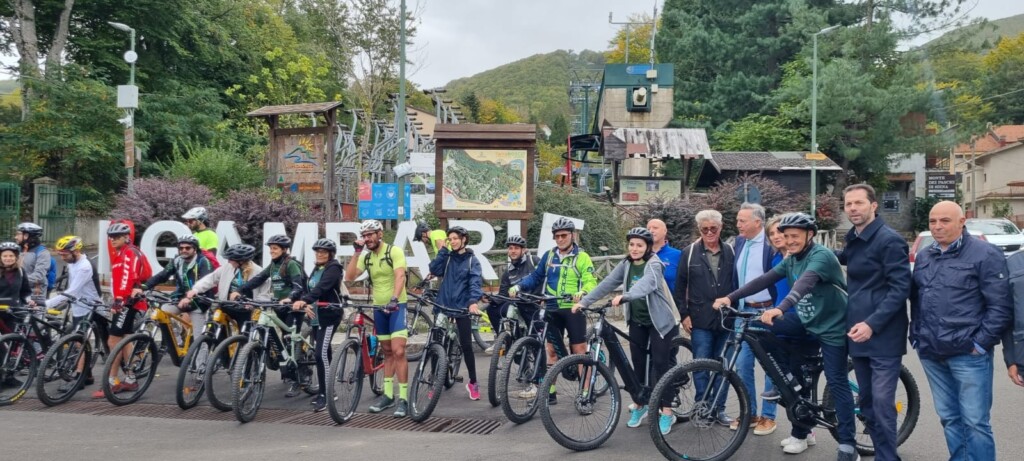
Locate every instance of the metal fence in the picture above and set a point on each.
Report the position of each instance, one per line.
(54, 210)
(10, 209)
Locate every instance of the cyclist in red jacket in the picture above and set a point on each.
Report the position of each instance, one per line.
(128, 269)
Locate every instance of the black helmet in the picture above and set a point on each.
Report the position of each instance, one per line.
(10, 246)
(458, 230)
(562, 224)
(797, 221)
(421, 227)
(118, 228)
(189, 239)
(240, 252)
(30, 228)
(325, 244)
(641, 233)
(516, 240)
(280, 240)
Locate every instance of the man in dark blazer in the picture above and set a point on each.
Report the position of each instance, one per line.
(878, 278)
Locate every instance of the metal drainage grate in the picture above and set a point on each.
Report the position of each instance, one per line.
(267, 415)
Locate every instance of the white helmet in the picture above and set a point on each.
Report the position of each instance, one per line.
(371, 225)
(198, 213)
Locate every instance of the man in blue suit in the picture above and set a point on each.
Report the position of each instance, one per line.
(753, 259)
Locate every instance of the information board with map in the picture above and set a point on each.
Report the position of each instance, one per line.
(484, 180)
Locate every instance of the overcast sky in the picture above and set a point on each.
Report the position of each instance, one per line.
(460, 38)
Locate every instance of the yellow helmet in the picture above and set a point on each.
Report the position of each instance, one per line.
(69, 243)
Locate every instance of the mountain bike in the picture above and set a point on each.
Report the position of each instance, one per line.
(21, 350)
(418, 321)
(64, 369)
(588, 421)
(526, 362)
(159, 333)
(191, 381)
(217, 380)
(513, 327)
(272, 344)
(439, 366)
(357, 357)
(699, 437)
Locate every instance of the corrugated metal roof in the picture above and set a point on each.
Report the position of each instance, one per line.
(658, 143)
(294, 109)
(767, 161)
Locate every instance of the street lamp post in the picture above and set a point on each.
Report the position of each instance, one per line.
(128, 99)
(814, 116)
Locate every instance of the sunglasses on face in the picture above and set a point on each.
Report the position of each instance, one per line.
(708, 230)
(186, 248)
(562, 236)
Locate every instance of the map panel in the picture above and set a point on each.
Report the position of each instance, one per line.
(484, 180)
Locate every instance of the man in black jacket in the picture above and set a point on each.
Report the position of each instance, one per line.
(705, 273)
(878, 278)
(520, 264)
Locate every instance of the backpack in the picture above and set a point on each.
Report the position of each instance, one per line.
(212, 258)
(51, 273)
(366, 263)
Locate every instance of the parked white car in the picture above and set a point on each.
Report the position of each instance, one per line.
(925, 240)
(999, 232)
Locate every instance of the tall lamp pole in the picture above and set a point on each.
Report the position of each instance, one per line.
(401, 116)
(128, 99)
(814, 118)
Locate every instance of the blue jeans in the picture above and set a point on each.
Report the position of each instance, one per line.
(962, 390)
(708, 344)
(745, 368)
(876, 381)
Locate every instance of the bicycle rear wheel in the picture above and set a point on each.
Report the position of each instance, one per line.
(249, 378)
(501, 346)
(483, 331)
(17, 355)
(135, 371)
(427, 383)
(908, 410)
(217, 380)
(346, 383)
(418, 323)
(305, 372)
(684, 349)
(703, 433)
(585, 419)
(518, 390)
(454, 364)
(58, 377)
(192, 373)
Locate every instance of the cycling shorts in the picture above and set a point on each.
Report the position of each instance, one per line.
(564, 320)
(123, 322)
(390, 325)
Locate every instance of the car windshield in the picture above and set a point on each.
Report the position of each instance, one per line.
(993, 227)
(926, 241)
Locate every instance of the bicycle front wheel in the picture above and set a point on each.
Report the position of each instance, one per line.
(136, 358)
(585, 419)
(192, 372)
(248, 377)
(501, 345)
(427, 383)
(704, 398)
(418, 324)
(346, 383)
(518, 390)
(58, 377)
(18, 364)
(217, 380)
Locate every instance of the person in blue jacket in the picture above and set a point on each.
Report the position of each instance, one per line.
(669, 255)
(1013, 340)
(461, 289)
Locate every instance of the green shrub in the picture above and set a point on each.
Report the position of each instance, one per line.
(603, 228)
(221, 167)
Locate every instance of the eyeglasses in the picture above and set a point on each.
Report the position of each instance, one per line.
(563, 235)
(185, 248)
(708, 230)
(368, 235)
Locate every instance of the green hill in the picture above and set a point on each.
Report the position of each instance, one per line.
(535, 86)
(981, 36)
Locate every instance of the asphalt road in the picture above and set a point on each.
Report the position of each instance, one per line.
(29, 434)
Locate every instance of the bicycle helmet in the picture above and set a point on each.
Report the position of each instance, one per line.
(240, 252)
(641, 233)
(516, 240)
(280, 240)
(458, 230)
(10, 246)
(328, 244)
(797, 221)
(69, 243)
(563, 224)
(189, 239)
(118, 228)
(421, 227)
(370, 225)
(198, 213)
(30, 228)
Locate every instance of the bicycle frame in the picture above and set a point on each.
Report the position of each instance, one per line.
(359, 323)
(607, 335)
(269, 327)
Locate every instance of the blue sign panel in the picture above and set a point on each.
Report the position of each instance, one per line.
(384, 202)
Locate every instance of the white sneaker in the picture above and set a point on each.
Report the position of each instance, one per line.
(528, 393)
(788, 440)
(796, 446)
(489, 350)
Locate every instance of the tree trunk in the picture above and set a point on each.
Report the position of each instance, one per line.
(60, 40)
(24, 32)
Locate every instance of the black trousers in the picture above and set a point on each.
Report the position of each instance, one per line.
(465, 326)
(662, 354)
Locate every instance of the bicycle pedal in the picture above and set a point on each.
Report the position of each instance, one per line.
(458, 379)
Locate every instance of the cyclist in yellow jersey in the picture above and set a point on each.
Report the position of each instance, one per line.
(434, 240)
(198, 221)
(386, 267)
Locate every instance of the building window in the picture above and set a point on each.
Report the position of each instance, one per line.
(891, 202)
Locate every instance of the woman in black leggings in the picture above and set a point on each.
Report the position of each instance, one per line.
(324, 285)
